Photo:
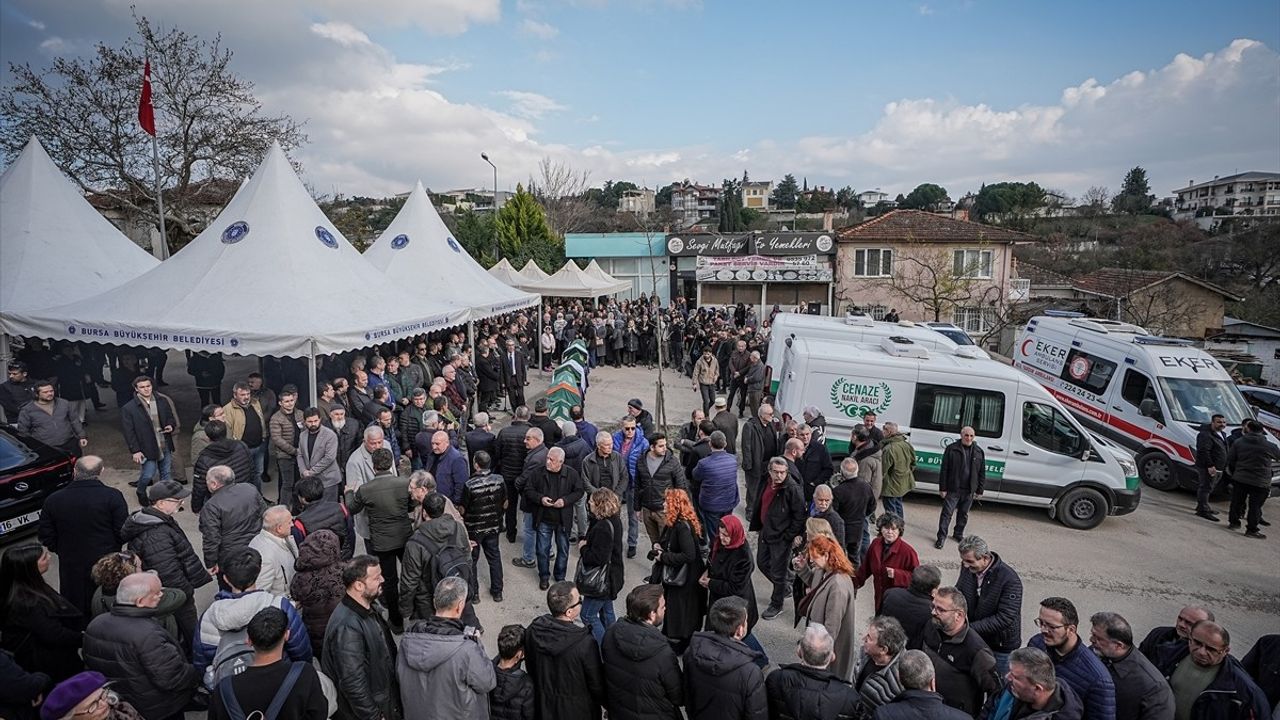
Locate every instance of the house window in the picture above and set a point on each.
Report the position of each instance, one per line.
(873, 262)
(972, 263)
(975, 319)
(877, 312)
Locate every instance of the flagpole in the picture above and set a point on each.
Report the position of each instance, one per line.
(147, 120)
(155, 162)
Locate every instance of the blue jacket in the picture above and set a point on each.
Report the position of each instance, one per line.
(717, 477)
(587, 432)
(450, 471)
(233, 611)
(638, 448)
(1086, 675)
(1232, 695)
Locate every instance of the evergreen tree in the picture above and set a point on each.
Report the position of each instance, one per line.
(523, 233)
(731, 207)
(1135, 195)
(785, 192)
(926, 196)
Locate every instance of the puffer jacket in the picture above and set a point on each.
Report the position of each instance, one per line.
(360, 657)
(232, 453)
(880, 686)
(564, 662)
(231, 612)
(511, 450)
(317, 585)
(799, 691)
(722, 680)
(1085, 673)
(1249, 460)
(598, 472)
(652, 487)
(326, 515)
(717, 479)
(482, 504)
(417, 586)
(512, 697)
(442, 666)
(638, 448)
(575, 450)
(898, 462)
(995, 613)
(145, 663)
(163, 547)
(229, 520)
(641, 673)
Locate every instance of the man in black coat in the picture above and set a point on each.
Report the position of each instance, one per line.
(221, 450)
(641, 671)
(759, 444)
(961, 478)
(551, 493)
(1211, 461)
(918, 699)
(1141, 691)
(913, 605)
(514, 373)
(722, 680)
(148, 423)
(359, 653)
(807, 689)
(1173, 635)
(481, 439)
(509, 454)
(349, 435)
(1263, 665)
(1249, 462)
(964, 667)
(779, 515)
(550, 428)
(563, 659)
(81, 523)
(995, 605)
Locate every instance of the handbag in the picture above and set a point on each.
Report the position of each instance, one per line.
(593, 581)
(675, 576)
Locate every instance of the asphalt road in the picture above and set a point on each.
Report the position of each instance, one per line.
(1145, 565)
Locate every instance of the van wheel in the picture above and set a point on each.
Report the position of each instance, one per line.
(1156, 470)
(1082, 509)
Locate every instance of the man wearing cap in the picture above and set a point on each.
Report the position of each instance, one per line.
(726, 423)
(86, 697)
(153, 534)
(132, 650)
(643, 418)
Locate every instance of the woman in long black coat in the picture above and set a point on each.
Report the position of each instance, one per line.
(678, 548)
(40, 627)
(603, 546)
(729, 574)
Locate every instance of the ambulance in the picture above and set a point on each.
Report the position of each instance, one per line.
(849, 328)
(1150, 394)
(1037, 454)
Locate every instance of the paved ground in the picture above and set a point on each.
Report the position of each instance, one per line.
(1144, 565)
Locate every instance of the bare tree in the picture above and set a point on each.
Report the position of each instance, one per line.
(932, 278)
(84, 111)
(560, 190)
(1096, 200)
(1164, 308)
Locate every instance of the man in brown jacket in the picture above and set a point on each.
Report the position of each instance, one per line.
(246, 423)
(706, 373)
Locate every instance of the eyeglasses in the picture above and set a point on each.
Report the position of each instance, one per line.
(942, 610)
(104, 696)
(577, 604)
(1198, 644)
(1047, 626)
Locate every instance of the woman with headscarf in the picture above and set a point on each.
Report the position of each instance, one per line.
(729, 574)
(829, 602)
(678, 565)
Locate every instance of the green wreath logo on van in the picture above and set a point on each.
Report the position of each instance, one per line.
(855, 399)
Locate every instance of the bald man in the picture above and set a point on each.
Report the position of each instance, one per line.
(448, 466)
(278, 549)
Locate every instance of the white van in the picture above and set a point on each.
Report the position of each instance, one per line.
(1037, 454)
(850, 328)
(1150, 394)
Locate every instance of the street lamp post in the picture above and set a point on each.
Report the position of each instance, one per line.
(496, 251)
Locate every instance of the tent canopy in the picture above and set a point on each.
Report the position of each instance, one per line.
(573, 281)
(258, 281)
(54, 247)
(507, 274)
(594, 270)
(532, 272)
(417, 250)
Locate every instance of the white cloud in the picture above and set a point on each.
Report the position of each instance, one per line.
(531, 105)
(540, 30)
(36, 24)
(925, 10)
(342, 33)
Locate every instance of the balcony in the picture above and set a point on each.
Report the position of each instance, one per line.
(1019, 289)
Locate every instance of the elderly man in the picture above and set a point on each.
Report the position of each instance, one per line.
(1033, 691)
(1175, 635)
(855, 501)
(759, 443)
(809, 689)
(1141, 691)
(601, 469)
(448, 466)
(919, 699)
(534, 460)
(965, 666)
(563, 659)
(81, 523)
(753, 379)
(231, 517)
(877, 679)
(961, 478)
(1207, 682)
(360, 470)
(442, 666)
(814, 462)
(779, 516)
(822, 508)
(552, 492)
(278, 549)
(736, 379)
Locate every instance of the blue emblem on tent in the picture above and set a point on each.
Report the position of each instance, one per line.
(452, 243)
(235, 232)
(398, 242)
(368, 336)
(326, 237)
(235, 342)
(71, 329)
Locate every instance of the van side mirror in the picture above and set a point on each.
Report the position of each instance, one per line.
(1086, 454)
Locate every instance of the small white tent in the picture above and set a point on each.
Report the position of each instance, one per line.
(417, 250)
(507, 274)
(533, 273)
(594, 270)
(573, 281)
(260, 280)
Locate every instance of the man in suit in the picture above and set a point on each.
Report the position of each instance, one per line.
(514, 373)
(81, 523)
(318, 455)
(148, 423)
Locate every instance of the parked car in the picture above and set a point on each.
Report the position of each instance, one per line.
(953, 332)
(1265, 402)
(29, 472)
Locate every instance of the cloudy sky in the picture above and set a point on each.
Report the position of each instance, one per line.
(888, 94)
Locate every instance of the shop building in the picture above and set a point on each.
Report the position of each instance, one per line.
(788, 269)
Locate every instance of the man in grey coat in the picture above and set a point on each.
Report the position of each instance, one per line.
(601, 469)
(52, 421)
(442, 667)
(230, 518)
(318, 454)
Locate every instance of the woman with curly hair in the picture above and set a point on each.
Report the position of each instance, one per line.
(829, 602)
(678, 565)
(889, 560)
(114, 567)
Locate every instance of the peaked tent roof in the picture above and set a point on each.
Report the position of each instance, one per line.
(46, 221)
(573, 281)
(594, 270)
(418, 250)
(248, 285)
(532, 272)
(504, 271)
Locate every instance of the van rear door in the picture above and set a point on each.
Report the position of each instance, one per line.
(1045, 453)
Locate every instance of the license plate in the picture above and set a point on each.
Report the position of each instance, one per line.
(12, 524)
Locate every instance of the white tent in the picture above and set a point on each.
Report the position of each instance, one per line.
(417, 250)
(533, 273)
(573, 281)
(507, 274)
(270, 276)
(594, 270)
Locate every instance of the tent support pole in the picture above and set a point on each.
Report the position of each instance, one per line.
(311, 373)
(539, 343)
(471, 335)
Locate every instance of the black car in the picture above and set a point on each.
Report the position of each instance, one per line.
(29, 472)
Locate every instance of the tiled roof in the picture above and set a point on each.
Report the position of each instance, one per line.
(1042, 277)
(906, 225)
(1122, 282)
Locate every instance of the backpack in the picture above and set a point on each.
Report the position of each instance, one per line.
(232, 704)
(450, 561)
(233, 656)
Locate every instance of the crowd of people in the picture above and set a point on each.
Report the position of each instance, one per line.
(353, 593)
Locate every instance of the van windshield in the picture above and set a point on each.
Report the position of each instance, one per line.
(1196, 401)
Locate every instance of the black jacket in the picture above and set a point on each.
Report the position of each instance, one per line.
(722, 680)
(1232, 695)
(996, 612)
(1249, 460)
(229, 520)
(786, 517)
(1211, 449)
(20, 687)
(575, 451)
(489, 372)
(799, 692)
(604, 547)
(564, 661)
(854, 499)
(535, 460)
(512, 697)
(81, 523)
(964, 667)
(510, 450)
(44, 637)
(565, 485)
(551, 432)
(815, 467)
(348, 440)
(1141, 691)
(951, 474)
(483, 497)
(326, 515)
(360, 658)
(163, 547)
(139, 435)
(652, 487)
(729, 574)
(145, 663)
(641, 673)
(232, 453)
(481, 440)
(918, 705)
(1263, 665)
(913, 610)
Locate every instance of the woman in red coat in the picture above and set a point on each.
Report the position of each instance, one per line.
(889, 560)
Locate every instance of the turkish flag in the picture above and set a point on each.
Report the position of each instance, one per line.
(146, 113)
